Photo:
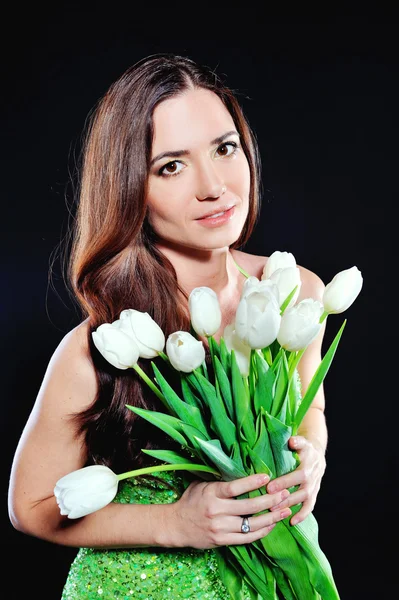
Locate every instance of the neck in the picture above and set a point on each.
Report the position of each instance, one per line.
(196, 268)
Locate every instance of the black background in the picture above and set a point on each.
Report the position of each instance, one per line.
(322, 98)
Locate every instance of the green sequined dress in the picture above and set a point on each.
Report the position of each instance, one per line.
(146, 573)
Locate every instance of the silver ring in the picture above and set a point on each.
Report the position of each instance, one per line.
(245, 526)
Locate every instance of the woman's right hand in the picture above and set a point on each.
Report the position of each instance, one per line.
(208, 514)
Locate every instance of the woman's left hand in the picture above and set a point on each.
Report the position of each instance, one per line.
(307, 475)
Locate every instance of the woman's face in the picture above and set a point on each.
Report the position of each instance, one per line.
(198, 166)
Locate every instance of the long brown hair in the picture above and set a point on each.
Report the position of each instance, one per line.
(114, 262)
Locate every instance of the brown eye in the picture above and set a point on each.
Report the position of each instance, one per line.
(227, 149)
(171, 168)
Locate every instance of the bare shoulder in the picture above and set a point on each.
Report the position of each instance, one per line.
(253, 264)
(312, 285)
(71, 367)
(76, 340)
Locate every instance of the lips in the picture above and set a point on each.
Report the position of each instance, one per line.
(216, 212)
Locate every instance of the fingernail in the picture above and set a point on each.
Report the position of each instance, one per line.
(264, 479)
(284, 494)
(285, 513)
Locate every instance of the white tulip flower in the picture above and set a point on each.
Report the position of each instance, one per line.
(278, 260)
(205, 313)
(241, 350)
(258, 318)
(342, 290)
(184, 351)
(85, 490)
(116, 346)
(146, 332)
(300, 325)
(286, 279)
(253, 284)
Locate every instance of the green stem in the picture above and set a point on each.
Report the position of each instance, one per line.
(176, 467)
(287, 300)
(252, 373)
(323, 316)
(210, 343)
(150, 383)
(267, 353)
(204, 369)
(164, 356)
(294, 361)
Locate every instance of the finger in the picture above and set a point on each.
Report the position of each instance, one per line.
(286, 481)
(251, 506)
(261, 521)
(231, 489)
(229, 524)
(235, 539)
(304, 512)
(297, 442)
(258, 529)
(291, 500)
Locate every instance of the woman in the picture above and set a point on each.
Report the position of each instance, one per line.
(167, 145)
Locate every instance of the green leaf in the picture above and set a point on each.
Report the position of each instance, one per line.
(283, 583)
(229, 575)
(213, 345)
(242, 406)
(279, 434)
(319, 568)
(189, 395)
(317, 379)
(263, 445)
(281, 386)
(187, 413)
(264, 386)
(192, 432)
(221, 423)
(170, 425)
(277, 358)
(235, 455)
(225, 357)
(193, 381)
(267, 354)
(258, 559)
(225, 389)
(284, 550)
(253, 572)
(294, 394)
(258, 464)
(222, 462)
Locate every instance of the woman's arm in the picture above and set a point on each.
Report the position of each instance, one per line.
(49, 449)
(207, 514)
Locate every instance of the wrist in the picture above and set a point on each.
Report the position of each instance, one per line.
(166, 529)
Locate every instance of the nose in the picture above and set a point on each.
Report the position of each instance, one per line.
(210, 184)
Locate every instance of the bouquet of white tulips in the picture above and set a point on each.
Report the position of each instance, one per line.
(234, 418)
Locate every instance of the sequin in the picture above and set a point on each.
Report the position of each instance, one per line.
(146, 573)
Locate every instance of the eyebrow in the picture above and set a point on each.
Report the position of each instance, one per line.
(177, 153)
